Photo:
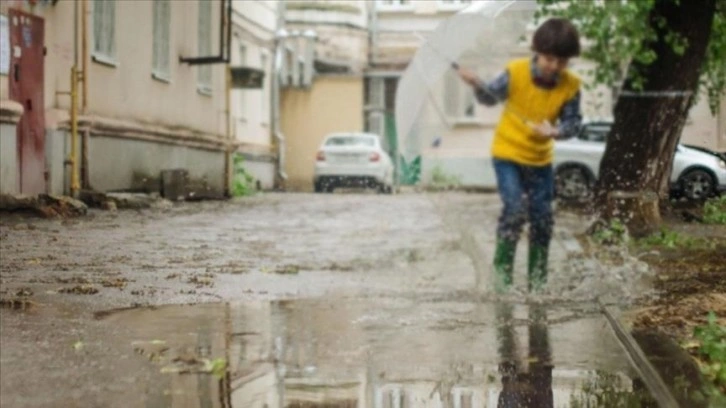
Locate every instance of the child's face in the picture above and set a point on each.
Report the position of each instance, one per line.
(550, 65)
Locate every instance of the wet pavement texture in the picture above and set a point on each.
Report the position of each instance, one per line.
(308, 300)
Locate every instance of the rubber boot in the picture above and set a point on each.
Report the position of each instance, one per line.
(537, 268)
(504, 265)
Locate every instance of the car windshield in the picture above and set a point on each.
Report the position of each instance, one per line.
(595, 133)
(352, 140)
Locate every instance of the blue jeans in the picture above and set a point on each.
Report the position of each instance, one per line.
(537, 183)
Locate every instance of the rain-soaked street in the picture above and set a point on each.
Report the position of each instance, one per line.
(300, 300)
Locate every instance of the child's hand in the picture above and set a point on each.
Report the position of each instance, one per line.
(468, 76)
(546, 130)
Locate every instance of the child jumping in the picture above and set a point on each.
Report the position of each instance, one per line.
(537, 92)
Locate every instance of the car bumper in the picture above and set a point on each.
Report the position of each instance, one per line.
(377, 173)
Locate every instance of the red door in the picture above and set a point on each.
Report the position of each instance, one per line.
(26, 87)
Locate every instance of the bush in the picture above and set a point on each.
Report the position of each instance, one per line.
(243, 184)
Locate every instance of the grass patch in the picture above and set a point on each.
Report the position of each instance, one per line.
(711, 356)
(714, 211)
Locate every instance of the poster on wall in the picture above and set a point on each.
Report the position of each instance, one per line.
(4, 45)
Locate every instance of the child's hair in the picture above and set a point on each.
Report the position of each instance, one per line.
(558, 37)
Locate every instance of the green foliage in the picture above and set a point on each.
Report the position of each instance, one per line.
(440, 179)
(712, 359)
(617, 34)
(668, 239)
(410, 173)
(714, 211)
(613, 233)
(243, 184)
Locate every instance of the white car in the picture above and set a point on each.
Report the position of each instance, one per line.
(697, 173)
(353, 160)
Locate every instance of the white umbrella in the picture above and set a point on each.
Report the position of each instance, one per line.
(484, 34)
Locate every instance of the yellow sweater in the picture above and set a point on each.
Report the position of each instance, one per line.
(514, 138)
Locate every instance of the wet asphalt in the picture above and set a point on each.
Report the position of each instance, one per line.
(280, 300)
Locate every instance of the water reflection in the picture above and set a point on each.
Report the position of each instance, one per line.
(371, 354)
(525, 384)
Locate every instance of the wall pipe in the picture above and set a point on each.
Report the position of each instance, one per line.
(280, 36)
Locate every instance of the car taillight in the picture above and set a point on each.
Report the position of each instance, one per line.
(321, 156)
(374, 157)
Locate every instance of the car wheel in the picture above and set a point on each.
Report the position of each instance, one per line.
(573, 183)
(318, 187)
(384, 188)
(697, 184)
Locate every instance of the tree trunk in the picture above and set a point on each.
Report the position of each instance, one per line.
(641, 145)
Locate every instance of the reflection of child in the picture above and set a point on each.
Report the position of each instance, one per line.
(536, 93)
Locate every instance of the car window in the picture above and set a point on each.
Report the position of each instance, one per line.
(595, 133)
(351, 141)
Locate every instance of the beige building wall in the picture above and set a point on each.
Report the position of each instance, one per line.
(333, 104)
(139, 124)
(125, 89)
(705, 129)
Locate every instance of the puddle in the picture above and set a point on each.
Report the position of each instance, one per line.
(377, 353)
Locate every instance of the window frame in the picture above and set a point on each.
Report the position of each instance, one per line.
(158, 71)
(464, 97)
(396, 6)
(104, 17)
(454, 6)
(205, 74)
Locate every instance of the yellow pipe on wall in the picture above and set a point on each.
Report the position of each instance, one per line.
(73, 160)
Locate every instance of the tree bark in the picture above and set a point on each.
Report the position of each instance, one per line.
(641, 145)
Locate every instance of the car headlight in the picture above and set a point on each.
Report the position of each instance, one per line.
(722, 164)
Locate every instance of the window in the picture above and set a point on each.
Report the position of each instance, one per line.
(394, 4)
(242, 110)
(162, 20)
(204, 45)
(595, 133)
(104, 29)
(459, 102)
(453, 4)
(365, 141)
(264, 95)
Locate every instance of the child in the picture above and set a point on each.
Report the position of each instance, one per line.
(536, 93)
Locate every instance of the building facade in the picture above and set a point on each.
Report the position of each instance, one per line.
(142, 110)
(326, 49)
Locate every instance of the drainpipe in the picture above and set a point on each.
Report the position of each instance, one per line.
(228, 131)
(280, 37)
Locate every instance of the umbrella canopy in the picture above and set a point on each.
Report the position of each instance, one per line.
(483, 35)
